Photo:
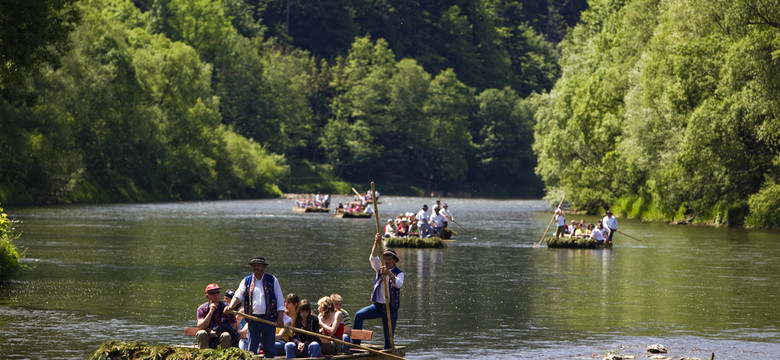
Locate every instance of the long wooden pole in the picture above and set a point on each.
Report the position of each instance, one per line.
(640, 240)
(357, 193)
(387, 292)
(551, 220)
(461, 227)
(311, 333)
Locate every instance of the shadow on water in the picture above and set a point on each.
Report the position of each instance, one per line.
(137, 272)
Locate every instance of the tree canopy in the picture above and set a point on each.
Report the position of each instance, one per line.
(667, 107)
(120, 100)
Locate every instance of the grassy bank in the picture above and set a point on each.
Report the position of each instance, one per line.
(734, 214)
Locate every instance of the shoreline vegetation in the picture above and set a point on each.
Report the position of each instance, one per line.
(9, 254)
(639, 208)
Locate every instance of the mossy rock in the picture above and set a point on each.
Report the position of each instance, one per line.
(574, 243)
(135, 350)
(415, 242)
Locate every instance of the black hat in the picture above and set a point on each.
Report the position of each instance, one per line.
(392, 252)
(229, 293)
(258, 260)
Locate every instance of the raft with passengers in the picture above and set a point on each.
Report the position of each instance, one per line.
(354, 210)
(318, 204)
(577, 235)
(421, 229)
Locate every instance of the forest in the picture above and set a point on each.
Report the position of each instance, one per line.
(655, 109)
(119, 100)
(668, 110)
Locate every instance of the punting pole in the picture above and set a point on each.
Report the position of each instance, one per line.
(311, 333)
(548, 225)
(387, 292)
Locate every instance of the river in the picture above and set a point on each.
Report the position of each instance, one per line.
(137, 272)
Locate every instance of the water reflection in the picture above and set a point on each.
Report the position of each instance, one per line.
(137, 271)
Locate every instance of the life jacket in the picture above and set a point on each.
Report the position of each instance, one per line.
(395, 293)
(271, 309)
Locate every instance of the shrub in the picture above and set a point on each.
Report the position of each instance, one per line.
(9, 255)
(764, 207)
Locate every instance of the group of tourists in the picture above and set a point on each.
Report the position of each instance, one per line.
(221, 324)
(355, 207)
(420, 224)
(319, 201)
(602, 232)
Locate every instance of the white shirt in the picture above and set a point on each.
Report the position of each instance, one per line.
(561, 219)
(438, 219)
(258, 306)
(399, 280)
(422, 217)
(597, 235)
(610, 222)
(446, 213)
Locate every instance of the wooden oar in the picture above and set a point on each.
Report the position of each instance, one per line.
(311, 333)
(548, 225)
(387, 292)
(461, 227)
(640, 240)
(357, 193)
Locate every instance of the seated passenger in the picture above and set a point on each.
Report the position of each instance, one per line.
(570, 229)
(300, 344)
(214, 325)
(403, 228)
(283, 335)
(389, 229)
(331, 324)
(598, 234)
(337, 302)
(589, 231)
(578, 232)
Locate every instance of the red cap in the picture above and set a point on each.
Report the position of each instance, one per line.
(211, 287)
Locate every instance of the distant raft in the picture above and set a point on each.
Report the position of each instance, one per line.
(574, 243)
(352, 215)
(415, 242)
(308, 209)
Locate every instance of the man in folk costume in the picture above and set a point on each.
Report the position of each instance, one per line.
(385, 272)
(262, 297)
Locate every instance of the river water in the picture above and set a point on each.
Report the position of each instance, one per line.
(137, 272)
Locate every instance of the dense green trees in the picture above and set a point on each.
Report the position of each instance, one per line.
(667, 104)
(173, 99)
(129, 115)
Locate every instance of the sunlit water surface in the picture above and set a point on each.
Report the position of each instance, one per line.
(137, 272)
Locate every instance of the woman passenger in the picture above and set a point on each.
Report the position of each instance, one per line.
(331, 324)
(300, 344)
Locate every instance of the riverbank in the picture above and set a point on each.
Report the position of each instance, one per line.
(643, 209)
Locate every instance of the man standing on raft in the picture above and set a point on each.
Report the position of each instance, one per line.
(385, 272)
(262, 297)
